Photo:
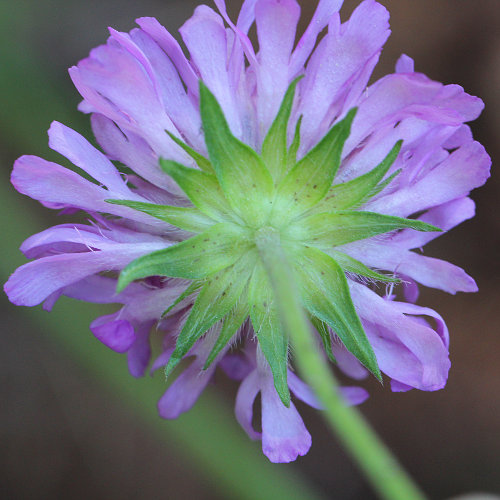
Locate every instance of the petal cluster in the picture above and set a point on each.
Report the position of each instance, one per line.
(248, 148)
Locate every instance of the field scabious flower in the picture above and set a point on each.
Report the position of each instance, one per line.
(229, 153)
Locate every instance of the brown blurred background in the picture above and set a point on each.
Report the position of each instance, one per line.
(63, 437)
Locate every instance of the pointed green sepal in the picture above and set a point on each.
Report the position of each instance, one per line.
(322, 329)
(291, 158)
(197, 257)
(351, 265)
(200, 160)
(274, 147)
(273, 340)
(193, 286)
(362, 188)
(245, 180)
(201, 188)
(311, 178)
(327, 230)
(325, 294)
(217, 297)
(381, 186)
(232, 322)
(187, 218)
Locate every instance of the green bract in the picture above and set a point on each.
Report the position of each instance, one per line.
(251, 208)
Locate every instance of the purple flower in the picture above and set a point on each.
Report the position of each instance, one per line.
(230, 146)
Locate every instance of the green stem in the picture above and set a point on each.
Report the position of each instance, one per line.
(386, 475)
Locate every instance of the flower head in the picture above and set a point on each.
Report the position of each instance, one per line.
(237, 156)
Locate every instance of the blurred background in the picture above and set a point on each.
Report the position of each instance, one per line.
(74, 424)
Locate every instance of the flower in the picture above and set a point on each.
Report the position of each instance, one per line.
(235, 156)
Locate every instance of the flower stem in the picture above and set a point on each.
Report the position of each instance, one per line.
(386, 475)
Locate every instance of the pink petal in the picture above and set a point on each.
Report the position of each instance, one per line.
(324, 11)
(400, 387)
(85, 237)
(410, 289)
(348, 363)
(406, 349)
(245, 20)
(435, 273)
(99, 290)
(187, 387)
(131, 150)
(414, 310)
(246, 17)
(445, 216)
(82, 154)
(354, 395)
(284, 436)
(399, 96)
(50, 183)
(205, 37)
(117, 85)
(173, 50)
(66, 238)
(303, 391)
(465, 169)
(405, 64)
(339, 59)
(428, 271)
(184, 391)
(139, 354)
(34, 282)
(115, 333)
(162, 360)
(245, 398)
(276, 25)
(235, 366)
(178, 106)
